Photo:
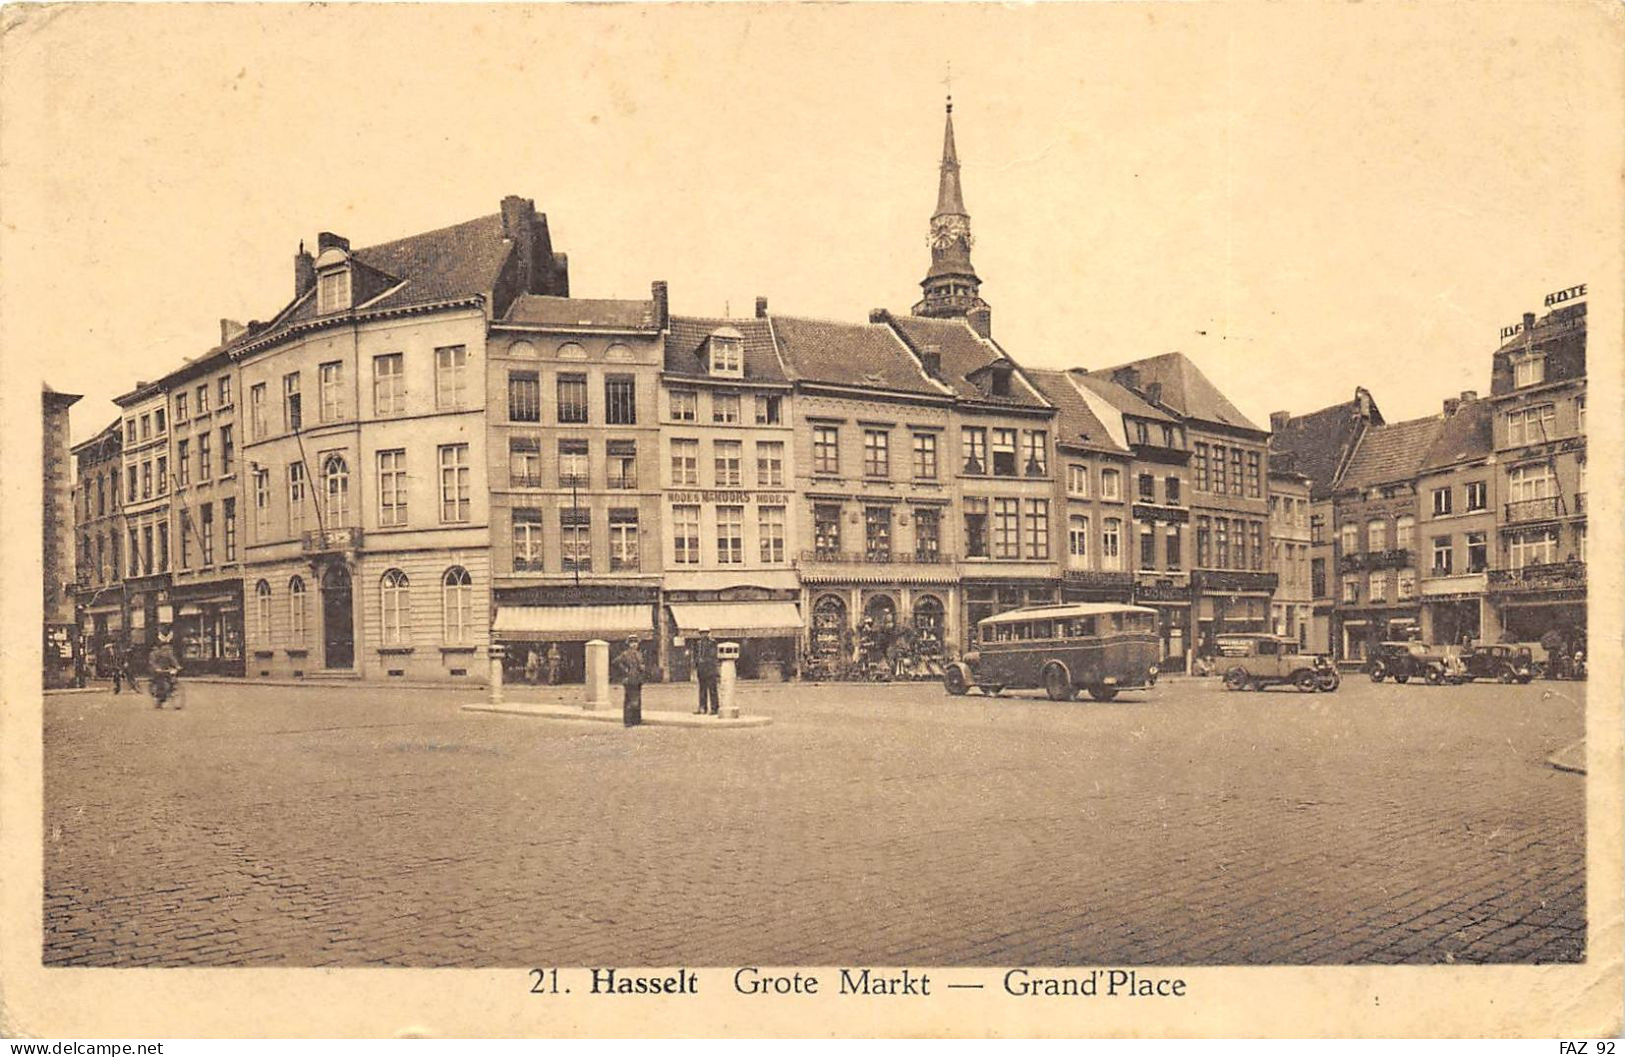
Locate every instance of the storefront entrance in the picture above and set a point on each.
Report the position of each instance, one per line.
(338, 619)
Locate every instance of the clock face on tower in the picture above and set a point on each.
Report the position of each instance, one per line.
(947, 230)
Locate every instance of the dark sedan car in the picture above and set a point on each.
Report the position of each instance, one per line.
(1504, 663)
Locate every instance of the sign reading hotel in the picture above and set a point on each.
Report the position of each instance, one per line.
(1573, 293)
(712, 496)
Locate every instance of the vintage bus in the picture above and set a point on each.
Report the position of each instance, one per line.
(1095, 646)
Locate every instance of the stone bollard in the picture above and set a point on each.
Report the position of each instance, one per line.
(496, 653)
(727, 679)
(597, 674)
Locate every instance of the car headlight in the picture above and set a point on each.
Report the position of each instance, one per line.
(1151, 670)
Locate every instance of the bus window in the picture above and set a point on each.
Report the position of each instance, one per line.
(1043, 629)
(1268, 647)
(1117, 622)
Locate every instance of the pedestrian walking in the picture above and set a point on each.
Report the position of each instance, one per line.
(630, 670)
(552, 664)
(702, 655)
(533, 666)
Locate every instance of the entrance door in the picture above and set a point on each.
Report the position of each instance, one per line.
(338, 619)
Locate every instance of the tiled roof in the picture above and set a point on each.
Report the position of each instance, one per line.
(964, 352)
(686, 336)
(858, 354)
(543, 310)
(1466, 435)
(1186, 389)
(1125, 400)
(1391, 453)
(1319, 442)
(1075, 423)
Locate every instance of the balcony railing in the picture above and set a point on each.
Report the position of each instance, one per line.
(623, 481)
(833, 557)
(524, 480)
(1535, 509)
(1553, 576)
(347, 538)
(1398, 558)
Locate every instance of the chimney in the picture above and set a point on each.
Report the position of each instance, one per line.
(304, 272)
(1127, 377)
(879, 315)
(931, 360)
(326, 240)
(980, 319)
(1278, 420)
(231, 329)
(1362, 402)
(1153, 392)
(1451, 404)
(519, 228)
(658, 294)
(761, 308)
(1469, 395)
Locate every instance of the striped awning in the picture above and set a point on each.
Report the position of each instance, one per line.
(572, 622)
(738, 619)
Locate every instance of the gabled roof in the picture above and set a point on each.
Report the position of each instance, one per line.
(856, 354)
(1320, 442)
(964, 354)
(1386, 454)
(1186, 390)
(1076, 423)
(685, 347)
(1123, 399)
(1467, 435)
(582, 312)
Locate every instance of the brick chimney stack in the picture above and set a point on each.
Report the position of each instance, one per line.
(1451, 405)
(1279, 420)
(658, 292)
(304, 272)
(1127, 377)
(326, 240)
(761, 308)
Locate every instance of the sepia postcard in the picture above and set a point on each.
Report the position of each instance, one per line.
(922, 520)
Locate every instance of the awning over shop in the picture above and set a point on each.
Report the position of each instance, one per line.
(571, 622)
(738, 619)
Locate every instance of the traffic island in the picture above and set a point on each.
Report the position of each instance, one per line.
(606, 715)
(1569, 758)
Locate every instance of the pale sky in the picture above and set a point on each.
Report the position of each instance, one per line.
(1303, 198)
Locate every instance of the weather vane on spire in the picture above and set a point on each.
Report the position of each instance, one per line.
(948, 83)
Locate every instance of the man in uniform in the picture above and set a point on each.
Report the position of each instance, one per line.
(629, 669)
(702, 653)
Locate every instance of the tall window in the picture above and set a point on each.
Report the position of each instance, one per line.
(228, 451)
(572, 398)
(1036, 460)
(973, 440)
(206, 532)
(1235, 471)
(1349, 535)
(1478, 552)
(1173, 547)
(685, 522)
(524, 461)
(292, 413)
(335, 491)
(1377, 586)
(450, 376)
(181, 411)
(685, 405)
(1199, 466)
(1077, 480)
(330, 382)
(1038, 528)
(1111, 544)
(1077, 540)
(726, 455)
(1538, 547)
(527, 540)
(925, 456)
(163, 475)
(826, 448)
(256, 411)
(727, 355)
(575, 540)
(396, 601)
(1170, 487)
(1221, 542)
(730, 535)
(454, 483)
(769, 410)
(623, 540)
(456, 606)
(976, 539)
(725, 408)
(927, 535)
(1148, 546)
(333, 292)
(1006, 529)
(1148, 488)
(146, 427)
(1255, 545)
(1404, 532)
(1532, 425)
(262, 613)
(1443, 555)
(146, 479)
(228, 526)
(224, 387)
(685, 462)
(296, 611)
(389, 384)
(1004, 452)
(1529, 370)
(1216, 470)
(205, 460)
(203, 399)
(1351, 589)
(827, 530)
(623, 464)
(769, 464)
(1531, 482)
(392, 488)
(1478, 495)
(620, 400)
(1376, 535)
(1441, 502)
(524, 396)
(877, 533)
(770, 533)
(876, 453)
(1111, 484)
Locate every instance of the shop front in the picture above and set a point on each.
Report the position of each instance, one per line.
(148, 609)
(766, 628)
(545, 630)
(101, 627)
(1171, 598)
(1360, 630)
(1229, 602)
(1453, 610)
(208, 627)
(986, 598)
(1537, 599)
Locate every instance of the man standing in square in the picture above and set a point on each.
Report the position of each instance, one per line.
(702, 653)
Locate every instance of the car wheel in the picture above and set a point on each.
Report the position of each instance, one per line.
(1058, 684)
(1526, 678)
(1506, 675)
(1434, 676)
(1237, 679)
(1330, 681)
(1377, 672)
(1402, 677)
(1306, 681)
(954, 680)
(1103, 693)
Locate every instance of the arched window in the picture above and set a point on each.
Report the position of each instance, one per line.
(522, 350)
(571, 350)
(829, 626)
(336, 491)
(296, 611)
(618, 352)
(262, 612)
(397, 608)
(456, 602)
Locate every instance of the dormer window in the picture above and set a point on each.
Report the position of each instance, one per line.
(999, 379)
(725, 353)
(333, 292)
(1529, 370)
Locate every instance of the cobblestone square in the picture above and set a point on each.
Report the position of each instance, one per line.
(890, 824)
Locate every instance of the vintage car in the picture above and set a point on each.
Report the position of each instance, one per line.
(1402, 660)
(1501, 662)
(1253, 662)
(1095, 646)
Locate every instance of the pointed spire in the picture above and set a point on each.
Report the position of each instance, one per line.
(950, 202)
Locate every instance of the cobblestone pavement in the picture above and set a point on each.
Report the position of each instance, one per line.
(867, 825)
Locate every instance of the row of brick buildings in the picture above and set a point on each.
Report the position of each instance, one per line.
(432, 448)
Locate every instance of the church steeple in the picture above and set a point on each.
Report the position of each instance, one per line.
(951, 286)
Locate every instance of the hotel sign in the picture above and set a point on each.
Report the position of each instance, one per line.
(1573, 293)
(715, 496)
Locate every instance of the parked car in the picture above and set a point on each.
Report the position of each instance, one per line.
(1253, 662)
(1507, 664)
(1402, 660)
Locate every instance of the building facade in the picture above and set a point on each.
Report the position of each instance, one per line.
(61, 655)
(1458, 485)
(99, 531)
(149, 611)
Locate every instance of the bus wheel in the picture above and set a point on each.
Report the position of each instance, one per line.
(1237, 679)
(1103, 693)
(1058, 683)
(954, 680)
